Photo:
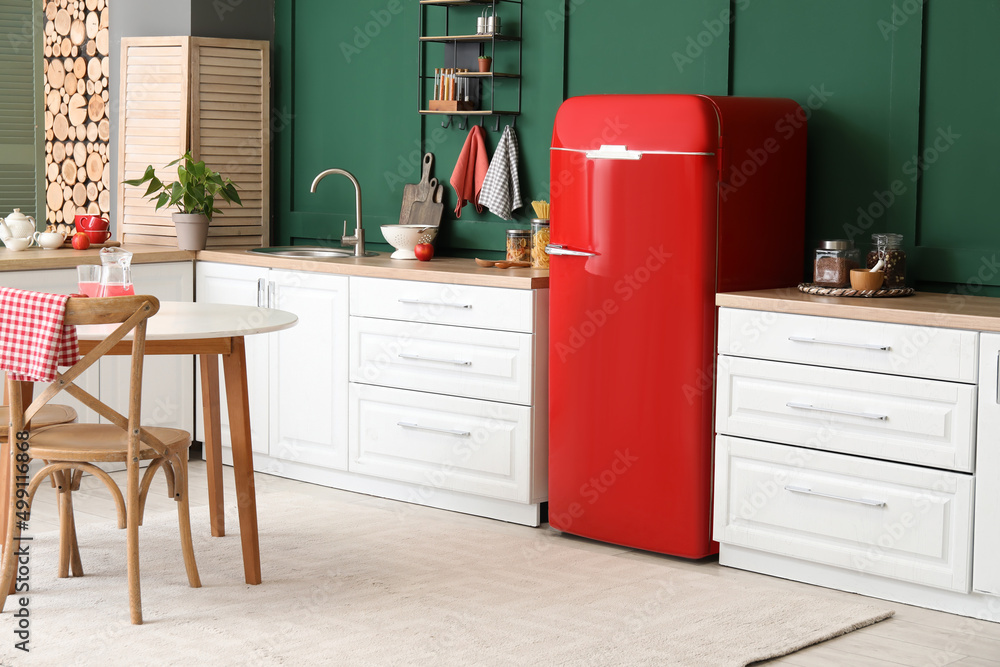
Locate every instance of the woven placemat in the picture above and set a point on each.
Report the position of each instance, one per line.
(810, 288)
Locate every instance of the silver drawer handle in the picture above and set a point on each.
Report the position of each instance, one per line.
(456, 362)
(866, 415)
(863, 346)
(421, 302)
(860, 501)
(556, 249)
(449, 431)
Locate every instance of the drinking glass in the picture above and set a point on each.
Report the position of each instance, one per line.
(88, 277)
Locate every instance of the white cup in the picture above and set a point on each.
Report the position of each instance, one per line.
(17, 244)
(49, 240)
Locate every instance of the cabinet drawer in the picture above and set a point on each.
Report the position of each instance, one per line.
(477, 363)
(898, 521)
(899, 349)
(441, 303)
(441, 442)
(926, 422)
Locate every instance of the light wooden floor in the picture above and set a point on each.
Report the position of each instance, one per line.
(916, 637)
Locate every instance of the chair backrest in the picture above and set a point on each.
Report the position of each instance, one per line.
(130, 313)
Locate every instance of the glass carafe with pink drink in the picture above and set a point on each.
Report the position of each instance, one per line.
(116, 272)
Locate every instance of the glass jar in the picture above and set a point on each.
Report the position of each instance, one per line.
(519, 245)
(833, 263)
(539, 240)
(889, 248)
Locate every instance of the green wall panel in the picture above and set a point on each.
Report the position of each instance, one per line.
(344, 77)
(882, 81)
(543, 39)
(854, 66)
(957, 228)
(637, 46)
(346, 83)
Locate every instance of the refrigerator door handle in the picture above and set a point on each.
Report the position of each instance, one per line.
(556, 249)
(607, 152)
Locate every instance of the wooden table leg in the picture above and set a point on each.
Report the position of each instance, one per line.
(234, 367)
(213, 441)
(27, 391)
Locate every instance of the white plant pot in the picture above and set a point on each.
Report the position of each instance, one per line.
(192, 230)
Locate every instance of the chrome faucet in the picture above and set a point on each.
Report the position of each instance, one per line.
(358, 240)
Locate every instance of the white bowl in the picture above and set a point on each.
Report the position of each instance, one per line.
(406, 237)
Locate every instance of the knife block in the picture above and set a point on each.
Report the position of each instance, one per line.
(451, 105)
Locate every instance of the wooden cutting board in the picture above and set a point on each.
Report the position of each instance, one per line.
(429, 212)
(417, 192)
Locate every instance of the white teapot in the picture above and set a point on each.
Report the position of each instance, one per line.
(17, 226)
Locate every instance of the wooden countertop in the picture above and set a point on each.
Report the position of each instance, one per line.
(952, 311)
(451, 270)
(35, 258)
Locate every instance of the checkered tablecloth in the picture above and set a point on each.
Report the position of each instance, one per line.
(33, 337)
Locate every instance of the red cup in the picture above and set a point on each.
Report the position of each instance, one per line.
(87, 223)
(97, 235)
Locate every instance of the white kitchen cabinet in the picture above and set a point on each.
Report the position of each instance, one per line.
(986, 576)
(308, 370)
(442, 442)
(860, 455)
(841, 511)
(448, 394)
(243, 286)
(298, 377)
(167, 396)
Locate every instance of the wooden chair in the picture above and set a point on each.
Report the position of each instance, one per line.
(71, 449)
(48, 415)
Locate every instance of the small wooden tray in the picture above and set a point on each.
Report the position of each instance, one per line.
(68, 243)
(810, 288)
(451, 105)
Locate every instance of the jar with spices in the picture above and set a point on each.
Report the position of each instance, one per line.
(889, 249)
(519, 245)
(834, 261)
(539, 239)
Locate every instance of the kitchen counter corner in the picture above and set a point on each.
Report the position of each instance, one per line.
(952, 311)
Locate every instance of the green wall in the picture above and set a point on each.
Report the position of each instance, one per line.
(899, 95)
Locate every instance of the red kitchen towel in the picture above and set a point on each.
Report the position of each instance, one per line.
(470, 170)
(33, 338)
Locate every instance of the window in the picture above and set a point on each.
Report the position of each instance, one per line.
(21, 129)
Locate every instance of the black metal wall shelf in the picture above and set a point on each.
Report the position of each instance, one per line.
(463, 53)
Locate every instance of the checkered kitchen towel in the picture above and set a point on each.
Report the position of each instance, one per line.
(502, 189)
(33, 338)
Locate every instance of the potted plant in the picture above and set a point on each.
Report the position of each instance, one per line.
(485, 62)
(194, 193)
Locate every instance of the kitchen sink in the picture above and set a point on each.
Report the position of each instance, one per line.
(307, 252)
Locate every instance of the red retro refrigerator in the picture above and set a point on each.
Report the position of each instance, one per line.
(657, 203)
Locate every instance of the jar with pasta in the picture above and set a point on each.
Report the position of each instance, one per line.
(539, 241)
(519, 245)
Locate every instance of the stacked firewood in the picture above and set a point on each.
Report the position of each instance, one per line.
(77, 128)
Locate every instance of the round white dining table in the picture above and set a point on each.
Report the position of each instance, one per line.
(211, 331)
(177, 320)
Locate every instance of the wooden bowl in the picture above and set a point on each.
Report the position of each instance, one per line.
(863, 279)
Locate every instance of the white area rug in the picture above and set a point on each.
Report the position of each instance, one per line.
(360, 581)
